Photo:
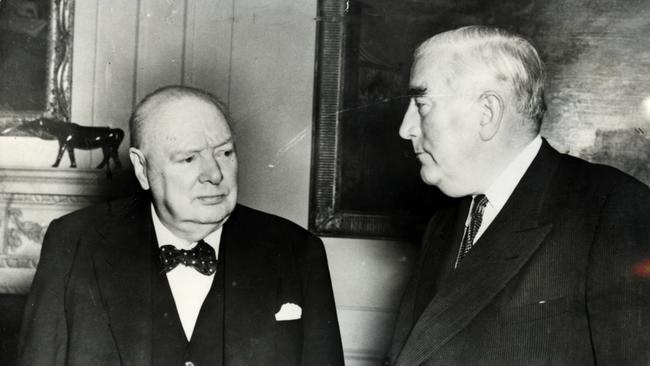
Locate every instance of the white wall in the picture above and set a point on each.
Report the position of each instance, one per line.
(257, 56)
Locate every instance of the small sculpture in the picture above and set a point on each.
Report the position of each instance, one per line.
(73, 136)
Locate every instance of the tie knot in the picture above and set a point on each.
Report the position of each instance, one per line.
(480, 201)
(202, 258)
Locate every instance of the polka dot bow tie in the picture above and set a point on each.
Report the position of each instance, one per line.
(201, 258)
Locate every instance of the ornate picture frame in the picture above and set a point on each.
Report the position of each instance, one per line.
(364, 178)
(54, 28)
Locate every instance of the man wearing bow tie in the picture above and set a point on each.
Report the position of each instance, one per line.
(183, 275)
(544, 259)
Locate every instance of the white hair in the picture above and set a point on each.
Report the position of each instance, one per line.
(509, 58)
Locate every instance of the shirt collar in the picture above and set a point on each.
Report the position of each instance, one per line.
(501, 189)
(166, 237)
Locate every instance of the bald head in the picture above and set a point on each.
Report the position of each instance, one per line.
(510, 61)
(139, 121)
(183, 153)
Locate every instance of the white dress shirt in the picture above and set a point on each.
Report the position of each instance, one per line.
(188, 286)
(501, 189)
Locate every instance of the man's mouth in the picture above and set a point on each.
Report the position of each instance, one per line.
(424, 157)
(418, 152)
(211, 199)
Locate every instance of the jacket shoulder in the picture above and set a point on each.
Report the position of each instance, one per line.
(266, 222)
(602, 179)
(282, 233)
(97, 214)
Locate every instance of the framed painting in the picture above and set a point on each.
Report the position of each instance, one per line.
(35, 61)
(365, 180)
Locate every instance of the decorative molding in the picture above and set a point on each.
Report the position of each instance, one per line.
(38, 183)
(29, 199)
(56, 176)
(13, 237)
(336, 208)
(47, 199)
(60, 103)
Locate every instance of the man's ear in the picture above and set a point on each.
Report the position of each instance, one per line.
(139, 166)
(492, 107)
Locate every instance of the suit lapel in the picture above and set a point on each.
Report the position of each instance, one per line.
(434, 242)
(436, 254)
(123, 261)
(252, 286)
(500, 253)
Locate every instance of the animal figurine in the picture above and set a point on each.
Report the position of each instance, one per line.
(73, 136)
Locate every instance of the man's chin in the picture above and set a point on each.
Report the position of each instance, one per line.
(428, 177)
(213, 214)
(435, 179)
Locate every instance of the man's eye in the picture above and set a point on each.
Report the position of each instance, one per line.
(423, 108)
(189, 159)
(224, 153)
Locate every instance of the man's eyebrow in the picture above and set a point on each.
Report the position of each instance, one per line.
(225, 142)
(178, 152)
(417, 92)
(181, 152)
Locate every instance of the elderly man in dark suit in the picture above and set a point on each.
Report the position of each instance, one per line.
(544, 259)
(183, 275)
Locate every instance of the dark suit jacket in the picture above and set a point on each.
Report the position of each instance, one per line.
(560, 277)
(90, 302)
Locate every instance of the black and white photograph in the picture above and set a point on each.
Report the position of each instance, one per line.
(324, 182)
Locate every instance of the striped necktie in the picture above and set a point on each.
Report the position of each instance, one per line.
(476, 217)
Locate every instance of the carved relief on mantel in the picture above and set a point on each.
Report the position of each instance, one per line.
(29, 200)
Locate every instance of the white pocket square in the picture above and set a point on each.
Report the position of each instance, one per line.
(289, 311)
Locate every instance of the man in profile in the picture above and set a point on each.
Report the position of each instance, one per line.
(544, 259)
(182, 275)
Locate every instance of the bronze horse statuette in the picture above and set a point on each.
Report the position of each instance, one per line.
(73, 136)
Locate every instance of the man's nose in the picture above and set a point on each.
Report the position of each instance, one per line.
(410, 123)
(211, 171)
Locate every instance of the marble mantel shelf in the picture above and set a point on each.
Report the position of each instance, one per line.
(67, 181)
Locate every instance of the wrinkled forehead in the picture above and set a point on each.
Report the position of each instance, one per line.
(448, 69)
(433, 73)
(186, 120)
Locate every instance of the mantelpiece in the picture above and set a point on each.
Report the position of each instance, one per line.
(29, 200)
